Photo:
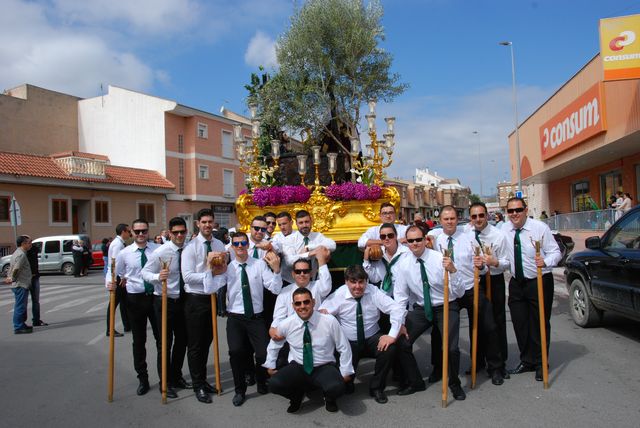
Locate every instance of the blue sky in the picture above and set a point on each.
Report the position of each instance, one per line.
(201, 53)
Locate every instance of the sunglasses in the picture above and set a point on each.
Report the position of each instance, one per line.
(179, 232)
(259, 229)
(515, 210)
(475, 216)
(302, 271)
(411, 241)
(387, 212)
(272, 223)
(240, 243)
(140, 231)
(302, 302)
(388, 235)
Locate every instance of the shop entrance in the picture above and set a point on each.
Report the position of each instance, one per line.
(609, 184)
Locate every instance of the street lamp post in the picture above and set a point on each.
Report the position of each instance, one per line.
(480, 162)
(515, 112)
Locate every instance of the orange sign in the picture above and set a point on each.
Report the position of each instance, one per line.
(577, 122)
(620, 47)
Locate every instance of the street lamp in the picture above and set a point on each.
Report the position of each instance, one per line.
(480, 162)
(515, 112)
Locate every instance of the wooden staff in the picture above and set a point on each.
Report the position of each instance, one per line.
(165, 265)
(445, 338)
(487, 277)
(112, 328)
(216, 350)
(474, 331)
(543, 327)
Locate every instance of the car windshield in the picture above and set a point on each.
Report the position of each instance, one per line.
(625, 234)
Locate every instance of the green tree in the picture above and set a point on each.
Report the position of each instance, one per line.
(474, 198)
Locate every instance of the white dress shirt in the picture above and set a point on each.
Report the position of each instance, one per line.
(294, 243)
(343, 306)
(326, 337)
(492, 237)
(374, 233)
(115, 247)
(408, 280)
(260, 275)
(319, 290)
(464, 244)
(278, 246)
(194, 263)
(377, 270)
(536, 230)
(167, 252)
(129, 266)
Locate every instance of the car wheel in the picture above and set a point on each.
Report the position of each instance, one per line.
(67, 268)
(583, 312)
(5, 270)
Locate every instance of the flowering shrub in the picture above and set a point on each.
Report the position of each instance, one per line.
(352, 191)
(280, 195)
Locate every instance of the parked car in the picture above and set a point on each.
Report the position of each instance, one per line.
(96, 254)
(606, 276)
(54, 254)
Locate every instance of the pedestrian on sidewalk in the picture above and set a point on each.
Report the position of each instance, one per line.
(32, 256)
(20, 279)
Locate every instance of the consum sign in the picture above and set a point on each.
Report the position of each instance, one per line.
(620, 47)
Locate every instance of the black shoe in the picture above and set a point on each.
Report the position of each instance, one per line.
(238, 399)
(116, 333)
(496, 377)
(40, 323)
(24, 330)
(295, 404)
(457, 392)
(202, 395)
(209, 388)
(171, 393)
(505, 373)
(522, 368)
(379, 396)
(263, 388)
(143, 387)
(412, 389)
(250, 379)
(539, 377)
(349, 388)
(330, 405)
(181, 383)
(435, 376)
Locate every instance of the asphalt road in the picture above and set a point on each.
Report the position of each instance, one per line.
(57, 376)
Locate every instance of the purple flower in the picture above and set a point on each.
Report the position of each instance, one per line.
(281, 195)
(352, 191)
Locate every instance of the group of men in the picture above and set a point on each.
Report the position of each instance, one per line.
(284, 326)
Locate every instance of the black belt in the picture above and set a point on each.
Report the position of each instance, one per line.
(243, 316)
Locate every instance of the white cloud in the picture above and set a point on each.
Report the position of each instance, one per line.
(261, 51)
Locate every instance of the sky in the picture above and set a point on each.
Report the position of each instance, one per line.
(454, 119)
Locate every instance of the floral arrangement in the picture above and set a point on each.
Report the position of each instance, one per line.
(280, 195)
(352, 191)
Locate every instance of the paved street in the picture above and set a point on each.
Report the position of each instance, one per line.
(57, 376)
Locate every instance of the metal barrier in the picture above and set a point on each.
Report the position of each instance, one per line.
(584, 220)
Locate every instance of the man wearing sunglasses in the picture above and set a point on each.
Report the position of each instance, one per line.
(122, 239)
(270, 219)
(357, 305)
(197, 301)
(495, 256)
(129, 264)
(521, 233)
(154, 273)
(419, 277)
(245, 278)
(313, 339)
(372, 235)
(380, 271)
(304, 243)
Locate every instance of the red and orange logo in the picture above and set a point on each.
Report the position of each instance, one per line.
(624, 39)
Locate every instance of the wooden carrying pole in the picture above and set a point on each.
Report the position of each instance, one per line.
(112, 327)
(165, 265)
(543, 326)
(445, 338)
(474, 331)
(487, 276)
(216, 350)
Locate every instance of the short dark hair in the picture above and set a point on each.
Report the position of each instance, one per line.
(302, 260)
(524, 204)
(121, 228)
(412, 228)
(387, 204)
(240, 235)
(388, 226)
(355, 273)
(301, 290)
(259, 218)
(269, 214)
(302, 213)
(177, 221)
(140, 220)
(479, 204)
(21, 239)
(204, 212)
(284, 214)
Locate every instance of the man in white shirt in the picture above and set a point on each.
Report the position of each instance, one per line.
(313, 339)
(303, 243)
(372, 235)
(380, 271)
(270, 219)
(285, 223)
(357, 305)
(129, 264)
(245, 278)
(123, 234)
(521, 232)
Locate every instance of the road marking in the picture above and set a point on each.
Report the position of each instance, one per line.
(73, 303)
(98, 307)
(99, 337)
(61, 294)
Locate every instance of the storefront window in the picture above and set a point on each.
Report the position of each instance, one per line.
(582, 200)
(609, 184)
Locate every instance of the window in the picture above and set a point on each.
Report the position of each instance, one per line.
(52, 247)
(626, 234)
(5, 204)
(60, 210)
(581, 198)
(203, 172)
(227, 183)
(101, 211)
(181, 176)
(609, 185)
(227, 145)
(203, 130)
(180, 143)
(146, 211)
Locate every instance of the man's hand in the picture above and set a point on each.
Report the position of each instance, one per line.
(264, 245)
(8, 280)
(478, 262)
(540, 262)
(403, 332)
(164, 274)
(431, 242)
(490, 260)
(123, 282)
(273, 333)
(111, 286)
(448, 265)
(272, 372)
(346, 378)
(273, 260)
(322, 255)
(324, 311)
(385, 341)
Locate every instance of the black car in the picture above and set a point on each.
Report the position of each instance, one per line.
(606, 276)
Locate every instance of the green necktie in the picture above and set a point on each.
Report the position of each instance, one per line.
(307, 350)
(180, 270)
(208, 245)
(246, 291)
(359, 323)
(425, 291)
(450, 248)
(306, 241)
(255, 252)
(148, 288)
(387, 282)
(517, 251)
(478, 238)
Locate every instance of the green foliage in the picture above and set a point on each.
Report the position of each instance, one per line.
(474, 198)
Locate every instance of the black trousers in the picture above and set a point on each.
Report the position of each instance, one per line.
(140, 307)
(416, 324)
(498, 300)
(384, 360)
(176, 336)
(242, 330)
(121, 299)
(523, 303)
(292, 381)
(197, 316)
